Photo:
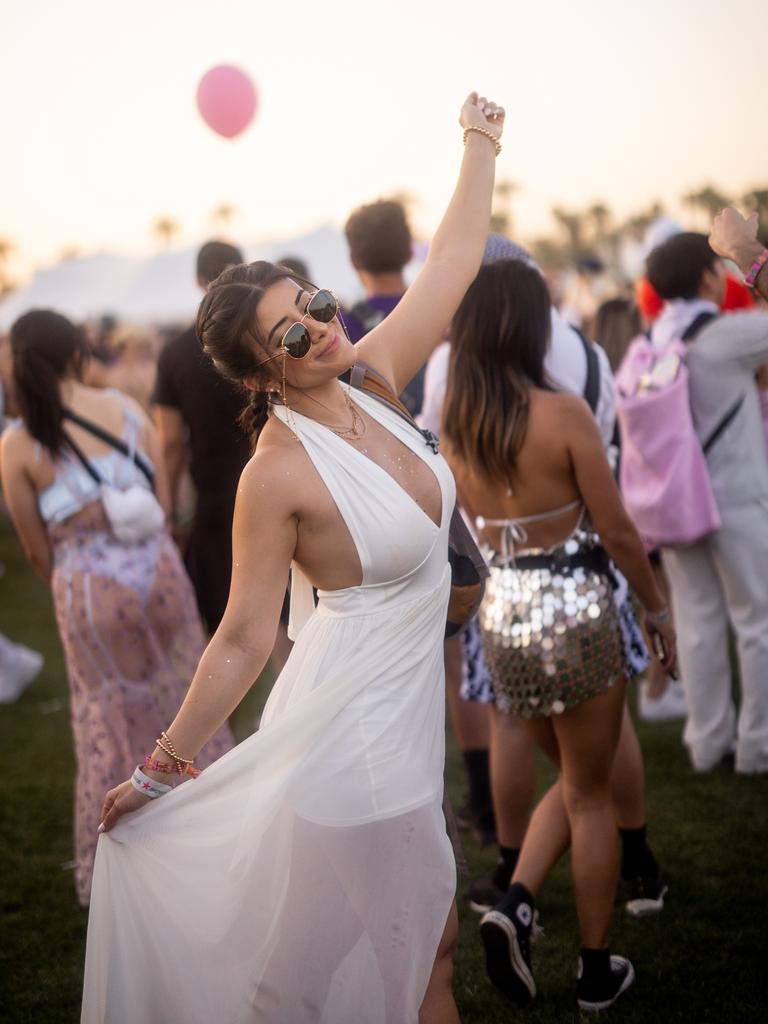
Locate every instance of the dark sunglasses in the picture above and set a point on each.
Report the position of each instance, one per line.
(323, 306)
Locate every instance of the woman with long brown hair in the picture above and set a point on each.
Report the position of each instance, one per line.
(125, 609)
(532, 473)
(307, 876)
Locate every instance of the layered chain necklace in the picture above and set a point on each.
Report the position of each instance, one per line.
(357, 429)
(351, 433)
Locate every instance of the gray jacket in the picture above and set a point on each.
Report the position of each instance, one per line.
(722, 360)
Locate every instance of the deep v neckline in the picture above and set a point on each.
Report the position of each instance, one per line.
(377, 466)
(386, 473)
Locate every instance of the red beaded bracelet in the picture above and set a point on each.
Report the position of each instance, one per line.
(158, 766)
(170, 769)
(755, 269)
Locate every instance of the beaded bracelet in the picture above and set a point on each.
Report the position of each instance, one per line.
(754, 270)
(183, 765)
(158, 766)
(483, 131)
(169, 769)
(143, 784)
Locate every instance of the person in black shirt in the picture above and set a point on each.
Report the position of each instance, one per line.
(197, 411)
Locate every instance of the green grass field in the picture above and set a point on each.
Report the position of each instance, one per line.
(700, 961)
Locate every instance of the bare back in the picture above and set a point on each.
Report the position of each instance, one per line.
(542, 480)
(101, 407)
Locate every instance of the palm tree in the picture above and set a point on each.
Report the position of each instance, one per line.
(498, 224)
(165, 228)
(599, 217)
(638, 223)
(572, 225)
(223, 214)
(502, 221)
(548, 253)
(708, 200)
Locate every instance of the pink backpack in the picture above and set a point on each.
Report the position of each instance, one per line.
(663, 473)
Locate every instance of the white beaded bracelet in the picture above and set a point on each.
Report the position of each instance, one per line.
(143, 784)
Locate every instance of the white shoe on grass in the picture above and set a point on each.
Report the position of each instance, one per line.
(18, 667)
(669, 707)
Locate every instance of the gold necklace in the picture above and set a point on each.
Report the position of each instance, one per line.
(357, 429)
(351, 433)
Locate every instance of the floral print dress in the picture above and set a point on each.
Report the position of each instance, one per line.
(131, 633)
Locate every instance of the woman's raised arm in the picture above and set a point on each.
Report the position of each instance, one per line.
(402, 343)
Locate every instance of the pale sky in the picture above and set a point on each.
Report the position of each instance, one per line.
(605, 100)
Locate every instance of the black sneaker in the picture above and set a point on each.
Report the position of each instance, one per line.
(597, 993)
(643, 896)
(506, 935)
(483, 894)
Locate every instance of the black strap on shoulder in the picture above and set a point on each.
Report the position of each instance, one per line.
(721, 426)
(696, 325)
(110, 439)
(592, 385)
(87, 464)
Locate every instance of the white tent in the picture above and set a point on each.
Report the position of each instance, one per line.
(162, 289)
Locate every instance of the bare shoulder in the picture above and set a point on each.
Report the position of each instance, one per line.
(276, 472)
(16, 445)
(560, 422)
(568, 408)
(129, 404)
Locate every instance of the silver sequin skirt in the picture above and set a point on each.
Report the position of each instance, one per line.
(550, 628)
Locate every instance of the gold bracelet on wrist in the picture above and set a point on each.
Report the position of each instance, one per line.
(164, 743)
(483, 131)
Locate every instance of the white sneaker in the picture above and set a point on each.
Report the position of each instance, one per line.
(18, 667)
(669, 707)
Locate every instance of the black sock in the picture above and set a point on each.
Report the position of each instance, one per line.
(637, 860)
(479, 777)
(595, 961)
(516, 895)
(506, 867)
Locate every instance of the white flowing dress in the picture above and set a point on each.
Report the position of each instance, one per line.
(306, 876)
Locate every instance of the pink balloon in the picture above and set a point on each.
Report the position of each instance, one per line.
(226, 99)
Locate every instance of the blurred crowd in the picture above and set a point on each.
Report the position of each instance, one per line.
(623, 346)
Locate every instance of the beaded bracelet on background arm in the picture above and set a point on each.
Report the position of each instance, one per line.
(757, 275)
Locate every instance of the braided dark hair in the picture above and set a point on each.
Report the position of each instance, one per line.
(45, 347)
(229, 333)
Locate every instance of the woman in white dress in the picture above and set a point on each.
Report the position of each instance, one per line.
(307, 875)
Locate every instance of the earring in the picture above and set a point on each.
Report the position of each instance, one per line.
(282, 385)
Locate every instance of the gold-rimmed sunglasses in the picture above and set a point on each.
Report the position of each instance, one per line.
(322, 307)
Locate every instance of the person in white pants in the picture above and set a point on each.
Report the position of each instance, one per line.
(723, 578)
